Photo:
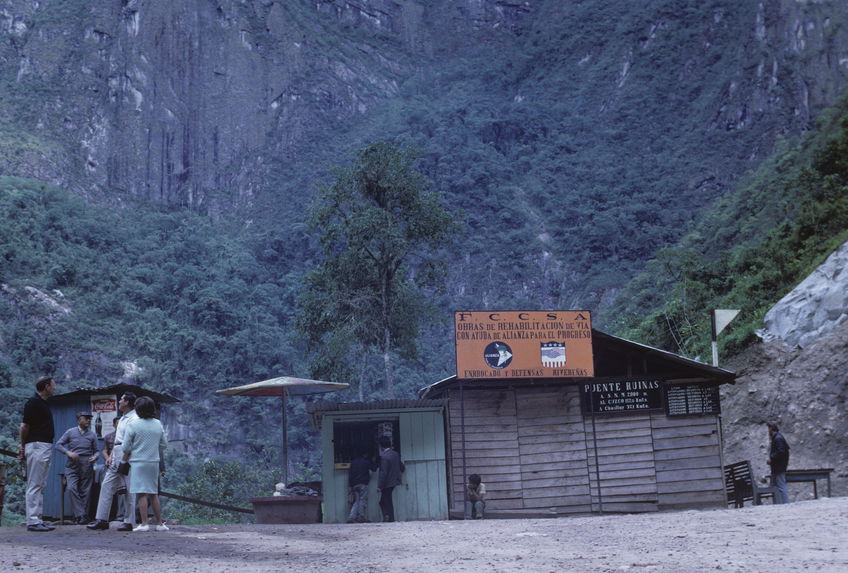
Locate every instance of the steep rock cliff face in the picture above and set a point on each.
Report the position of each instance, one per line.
(204, 103)
(181, 102)
(188, 103)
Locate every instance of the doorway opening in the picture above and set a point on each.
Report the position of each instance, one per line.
(351, 439)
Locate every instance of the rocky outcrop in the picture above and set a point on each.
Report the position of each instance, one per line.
(797, 376)
(813, 308)
(805, 390)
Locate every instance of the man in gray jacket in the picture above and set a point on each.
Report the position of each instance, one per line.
(390, 477)
(80, 445)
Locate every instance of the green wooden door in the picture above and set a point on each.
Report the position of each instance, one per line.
(423, 495)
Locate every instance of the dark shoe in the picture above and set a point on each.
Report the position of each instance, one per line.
(39, 527)
(125, 527)
(98, 524)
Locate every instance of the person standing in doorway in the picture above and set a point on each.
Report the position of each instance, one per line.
(779, 461)
(80, 445)
(359, 475)
(112, 480)
(37, 433)
(390, 477)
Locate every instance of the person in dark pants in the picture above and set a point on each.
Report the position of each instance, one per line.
(779, 461)
(390, 477)
(359, 475)
(80, 445)
(37, 433)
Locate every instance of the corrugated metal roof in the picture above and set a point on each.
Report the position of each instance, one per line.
(117, 389)
(316, 410)
(323, 407)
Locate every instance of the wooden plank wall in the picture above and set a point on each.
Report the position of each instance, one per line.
(423, 494)
(536, 453)
(552, 446)
(491, 447)
(624, 467)
(688, 459)
(528, 446)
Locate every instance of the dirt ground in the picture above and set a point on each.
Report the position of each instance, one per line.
(809, 535)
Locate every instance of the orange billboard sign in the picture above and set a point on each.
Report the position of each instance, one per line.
(523, 344)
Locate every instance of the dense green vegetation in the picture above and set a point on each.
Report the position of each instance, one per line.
(549, 146)
(222, 482)
(747, 251)
(196, 305)
(379, 230)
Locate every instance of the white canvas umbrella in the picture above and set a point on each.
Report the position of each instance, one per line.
(282, 387)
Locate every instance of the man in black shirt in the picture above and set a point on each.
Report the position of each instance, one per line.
(37, 435)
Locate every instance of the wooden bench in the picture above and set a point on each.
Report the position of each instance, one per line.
(741, 486)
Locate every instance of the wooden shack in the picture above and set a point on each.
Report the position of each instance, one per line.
(102, 402)
(417, 430)
(642, 433)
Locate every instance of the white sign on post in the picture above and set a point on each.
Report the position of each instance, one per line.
(720, 319)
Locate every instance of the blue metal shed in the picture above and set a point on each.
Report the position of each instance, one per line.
(65, 408)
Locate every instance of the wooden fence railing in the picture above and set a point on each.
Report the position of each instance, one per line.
(206, 503)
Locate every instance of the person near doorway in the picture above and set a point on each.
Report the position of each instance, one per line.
(779, 461)
(37, 433)
(359, 476)
(475, 497)
(79, 444)
(390, 477)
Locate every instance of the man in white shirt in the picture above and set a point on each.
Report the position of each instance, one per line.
(112, 480)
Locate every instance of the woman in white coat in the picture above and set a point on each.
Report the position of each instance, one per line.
(143, 445)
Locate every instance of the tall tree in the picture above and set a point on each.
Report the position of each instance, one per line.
(379, 231)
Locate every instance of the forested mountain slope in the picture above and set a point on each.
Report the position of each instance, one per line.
(579, 137)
